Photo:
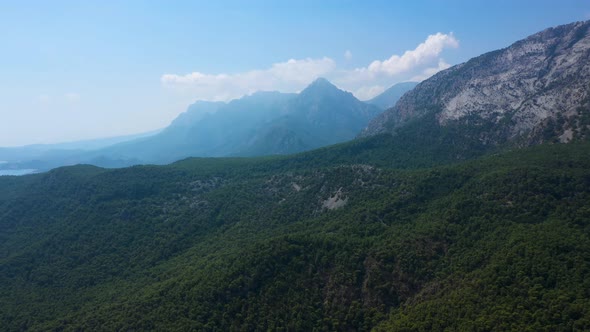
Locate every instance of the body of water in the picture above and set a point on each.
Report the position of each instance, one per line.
(16, 171)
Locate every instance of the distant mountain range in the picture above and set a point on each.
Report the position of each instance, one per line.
(530, 92)
(264, 123)
(41, 157)
(389, 97)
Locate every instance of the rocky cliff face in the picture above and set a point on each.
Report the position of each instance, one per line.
(320, 115)
(537, 89)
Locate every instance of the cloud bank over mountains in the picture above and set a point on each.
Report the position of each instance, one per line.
(284, 76)
(293, 75)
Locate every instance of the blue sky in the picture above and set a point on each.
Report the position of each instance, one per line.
(87, 69)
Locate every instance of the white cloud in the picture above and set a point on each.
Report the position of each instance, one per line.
(294, 74)
(348, 55)
(424, 53)
(413, 65)
(291, 75)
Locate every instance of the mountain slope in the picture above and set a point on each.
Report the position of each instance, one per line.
(320, 115)
(42, 157)
(259, 244)
(264, 123)
(195, 112)
(389, 97)
(533, 91)
(204, 133)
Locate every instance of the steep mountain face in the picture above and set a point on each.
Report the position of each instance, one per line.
(195, 112)
(536, 90)
(326, 107)
(206, 129)
(389, 97)
(320, 115)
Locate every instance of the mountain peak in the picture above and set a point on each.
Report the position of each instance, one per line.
(321, 83)
(321, 87)
(322, 80)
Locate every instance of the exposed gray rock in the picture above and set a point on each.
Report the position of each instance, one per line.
(535, 90)
(335, 201)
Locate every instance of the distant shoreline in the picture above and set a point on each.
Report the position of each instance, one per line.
(16, 172)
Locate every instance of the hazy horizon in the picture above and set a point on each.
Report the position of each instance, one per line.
(78, 71)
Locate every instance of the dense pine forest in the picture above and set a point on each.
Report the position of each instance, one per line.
(342, 238)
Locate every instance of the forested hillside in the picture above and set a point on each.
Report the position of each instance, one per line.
(316, 241)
